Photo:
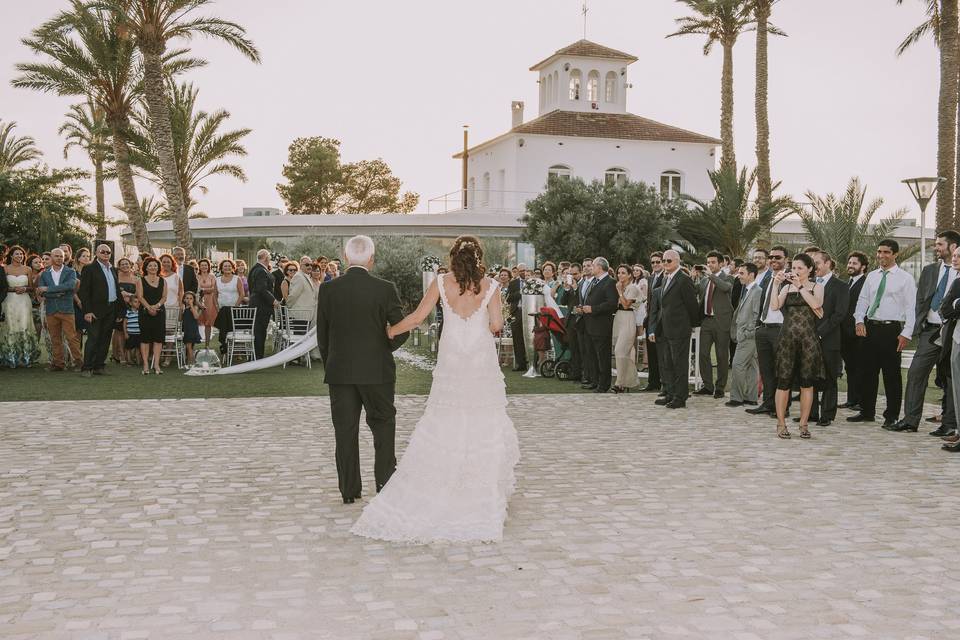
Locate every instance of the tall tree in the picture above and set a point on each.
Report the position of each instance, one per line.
(730, 223)
(317, 182)
(84, 54)
(15, 150)
(942, 24)
(152, 25)
(721, 21)
(761, 13)
(201, 149)
(86, 128)
(841, 225)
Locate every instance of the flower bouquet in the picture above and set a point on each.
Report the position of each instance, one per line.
(430, 264)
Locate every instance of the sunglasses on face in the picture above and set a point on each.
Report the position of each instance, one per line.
(777, 257)
(654, 262)
(104, 252)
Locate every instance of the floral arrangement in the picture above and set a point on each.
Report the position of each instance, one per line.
(532, 287)
(430, 263)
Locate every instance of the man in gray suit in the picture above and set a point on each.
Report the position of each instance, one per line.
(743, 331)
(716, 310)
(935, 281)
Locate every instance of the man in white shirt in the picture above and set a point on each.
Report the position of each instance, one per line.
(885, 317)
(935, 282)
(768, 328)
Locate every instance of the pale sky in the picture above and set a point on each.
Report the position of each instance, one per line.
(397, 80)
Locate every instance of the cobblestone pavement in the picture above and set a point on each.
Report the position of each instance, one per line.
(221, 519)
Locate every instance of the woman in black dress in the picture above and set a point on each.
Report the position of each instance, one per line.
(152, 291)
(799, 356)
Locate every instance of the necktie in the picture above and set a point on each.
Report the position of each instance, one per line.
(940, 292)
(880, 290)
(589, 289)
(710, 298)
(766, 301)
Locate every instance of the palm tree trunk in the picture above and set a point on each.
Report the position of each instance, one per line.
(128, 191)
(101, 204)
(728, 159)
(947, 113)
(764, 182)
(162, 134)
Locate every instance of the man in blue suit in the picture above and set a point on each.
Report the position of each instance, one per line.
(57, 285)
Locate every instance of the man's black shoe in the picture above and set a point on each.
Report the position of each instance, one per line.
(349, 500)
(649, 389)
(823, 422)
(676, 404)
(733, 403)
(941, 431)
(887, 422)
(855, 407)
(718, 394)
(861, 418)
(756, 411)
(902, 425)
(662, 401)
(749, 403)
(703, 392)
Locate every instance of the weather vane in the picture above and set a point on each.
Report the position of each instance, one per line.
(584, 12)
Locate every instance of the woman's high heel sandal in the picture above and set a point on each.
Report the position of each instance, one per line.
(782, 432)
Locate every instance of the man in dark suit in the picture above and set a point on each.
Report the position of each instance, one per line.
(768, 327)
(950, 351)
(99, 293)
(571, 300)
(261, 283)
(588, 364)
(352, 316)
(654, 282)
(679, 313)
(716, 309)
(598, 309)
(4, 287)
(851, 344)
(935, 281)
(278, 276)
(188, 275)
(515, 300)
(835, 301)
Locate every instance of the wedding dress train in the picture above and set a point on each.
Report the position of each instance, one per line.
(456, 475)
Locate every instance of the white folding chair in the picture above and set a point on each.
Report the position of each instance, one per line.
(280, 326)
(173, 336)
(298, 324)
(240, 338)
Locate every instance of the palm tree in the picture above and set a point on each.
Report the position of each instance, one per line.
(761, 14)
(721, 21)
(842, 225)
(86, 55)
(200, 148)
(942, 25)
(155, 210)
(151, 25)
(15, 150)
(86, 128)
(730, 223)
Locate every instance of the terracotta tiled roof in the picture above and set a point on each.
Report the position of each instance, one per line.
(619, 126)
(586, 49)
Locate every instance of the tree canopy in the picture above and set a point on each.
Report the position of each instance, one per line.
(573, 220)
(318, 182)
(41, 207)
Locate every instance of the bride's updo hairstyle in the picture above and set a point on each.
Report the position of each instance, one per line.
(466, 262)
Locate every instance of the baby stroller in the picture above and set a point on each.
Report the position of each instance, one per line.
(550, 335)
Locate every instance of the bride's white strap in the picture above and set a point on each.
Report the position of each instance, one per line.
(443, 294)
(493, 287)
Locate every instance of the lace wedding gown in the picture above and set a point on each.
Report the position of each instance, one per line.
(456, 474)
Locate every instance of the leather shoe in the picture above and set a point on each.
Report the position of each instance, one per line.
(718, 394)
(733, 403)
(823, 422)
(349, 500)
(902, 425)
(649, 389)
(662, 402)
(676, 404)
(587, 385)
(952, 448)
(952, 438)
(703, 392)
(887, 423)
(750, 403)
(756, 411)
(854, 407)
(861, 418)
(941, 431)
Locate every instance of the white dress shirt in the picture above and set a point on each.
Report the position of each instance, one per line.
(773, 317)
(55, 275)
(899, 301)
(932, 316)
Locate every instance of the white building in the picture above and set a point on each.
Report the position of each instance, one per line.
(583, 130)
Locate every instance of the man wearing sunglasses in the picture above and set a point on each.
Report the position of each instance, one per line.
(768, 328)
(679, 313)
(98, 299)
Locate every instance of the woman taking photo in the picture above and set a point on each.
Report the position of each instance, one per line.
(799, 358)
(152, 292)
(625, 331)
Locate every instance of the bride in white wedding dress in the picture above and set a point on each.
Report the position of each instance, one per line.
(456, 475)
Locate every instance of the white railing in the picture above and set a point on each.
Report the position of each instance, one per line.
(495, 201)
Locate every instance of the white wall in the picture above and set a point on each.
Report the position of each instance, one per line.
(526, 167)
(561, 87)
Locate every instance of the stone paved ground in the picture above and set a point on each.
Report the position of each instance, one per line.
(221, 519)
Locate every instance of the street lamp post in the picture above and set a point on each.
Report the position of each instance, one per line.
(923, 190)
